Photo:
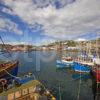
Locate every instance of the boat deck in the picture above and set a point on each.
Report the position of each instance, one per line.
(24, 92)
(4, 66)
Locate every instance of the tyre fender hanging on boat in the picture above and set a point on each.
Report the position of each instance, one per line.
(4, 83)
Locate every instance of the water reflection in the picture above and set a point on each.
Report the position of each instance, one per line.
(51, 77)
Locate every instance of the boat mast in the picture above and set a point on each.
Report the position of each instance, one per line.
(97, 54)
(97, 70)
(4, 45)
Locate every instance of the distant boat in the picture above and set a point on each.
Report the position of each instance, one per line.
(81, 68)
(64, 62)
(8, 69)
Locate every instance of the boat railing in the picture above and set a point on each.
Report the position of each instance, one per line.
(30, 92)
(6, 65)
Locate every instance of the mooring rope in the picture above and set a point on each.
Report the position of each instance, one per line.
(11, 74)
(16, 76)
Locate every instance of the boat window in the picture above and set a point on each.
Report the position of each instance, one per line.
(17, 94)
(98, 67)
(24, 91)
(11, 96)
(31, 89)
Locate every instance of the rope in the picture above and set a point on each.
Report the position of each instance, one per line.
(34, 76)
(16, 76)
(11, 74)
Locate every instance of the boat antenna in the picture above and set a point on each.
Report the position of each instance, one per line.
(4, 45)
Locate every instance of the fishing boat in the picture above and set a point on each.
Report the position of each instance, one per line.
(78, 67)
(8, 69)
(95, 73)
(67, 60)
(86, 59)
(96, 70)
(83, 63)
(87, 63)
(64, 62)
(31, 90)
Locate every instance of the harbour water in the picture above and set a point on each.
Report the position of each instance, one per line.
(43, 65)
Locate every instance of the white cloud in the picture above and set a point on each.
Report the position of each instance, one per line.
(47, 41)
(7, 25)
(81, 39)
(71, 21)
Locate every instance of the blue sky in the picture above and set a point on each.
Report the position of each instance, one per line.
(39, 22)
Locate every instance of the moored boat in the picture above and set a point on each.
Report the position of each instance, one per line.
(64, 62)
(9, 69)
(78, 67)
(96, 70)
(67, 60)
(32, 90)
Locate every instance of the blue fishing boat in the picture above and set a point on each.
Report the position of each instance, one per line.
(64, 62)
(60, 64)
(81, 68)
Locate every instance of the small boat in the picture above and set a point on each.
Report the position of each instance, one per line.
(64, 62)
(8, 69)
(31, 90)
(78, 67)
(67, 60)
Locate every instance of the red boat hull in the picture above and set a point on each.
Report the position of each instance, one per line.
(96, 74)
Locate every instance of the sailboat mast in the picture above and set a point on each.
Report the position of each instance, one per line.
(97, 48)
(4, 45)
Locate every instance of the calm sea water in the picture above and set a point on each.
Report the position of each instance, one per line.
(43, 65)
